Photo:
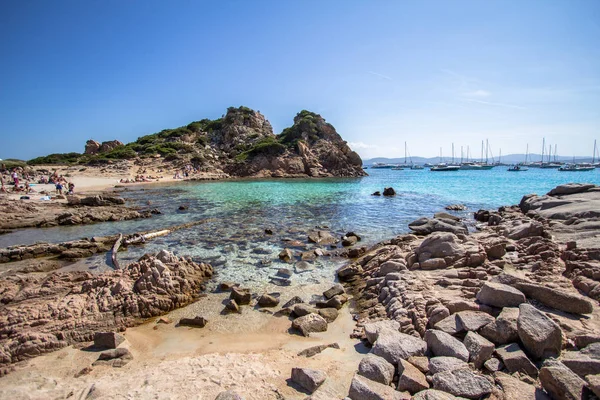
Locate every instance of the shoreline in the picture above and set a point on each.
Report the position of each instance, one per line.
(517, 250)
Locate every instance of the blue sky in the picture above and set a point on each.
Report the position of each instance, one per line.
(430, 73)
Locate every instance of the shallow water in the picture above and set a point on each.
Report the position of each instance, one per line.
(237, 212)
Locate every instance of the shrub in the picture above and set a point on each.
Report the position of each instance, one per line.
(56, 158)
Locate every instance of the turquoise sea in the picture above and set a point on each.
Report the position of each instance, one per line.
(237, 212)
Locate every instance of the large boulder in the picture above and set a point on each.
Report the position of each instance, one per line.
(442, 344)
(310, 323)
(92, 147)
(362, 388)
(425, 226)
(500, 295)
(541, 336)
(410, 378)
(473, 320)
(480, 349)
(441, 364)
(463, 383)
(584, 362)
(516, 389)
(108, 340)
(376, 369)
(395, 346)
(515, 360)
(556, 299)
(372, 329)
(433, 394)
(440, 245)
(560, 382)
(309, 379)
(504, 329)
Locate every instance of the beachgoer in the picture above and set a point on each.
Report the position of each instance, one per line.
(15, 177)
(2, 188)
(59, 188)
(71, 188)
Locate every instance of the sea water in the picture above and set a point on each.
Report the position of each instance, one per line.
(235, 214)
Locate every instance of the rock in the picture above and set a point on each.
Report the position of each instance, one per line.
(104, 200)
(524, 230)
(441, 364)
(442, 344)
(334, 291)
(594, 384)
(433, 264)
(329, 314)
(116, 357)
(302, 309)
(581, 363)
(372, 329)
(286, 255)
(451, 325)
(391, 266)
(473, 320)
(293, 301)
(480, 349)
(310, 323)
(376, 369)
(229, 395)
(411, 379)
(226, 286)
(268, 301)
(570, 188)
(348, 241)
(322, 237)
(515, 389)
(463, 383)
(433, 394)
(108, 340)
(302, 266)
(365, 389)
(311, 351)
(284, 273)
(389, 191)
(425, 226)
(556, 299)
(91, 147)
(515, 360)
(378, 193)
(493, 364)
(336, 302)
(348, 271)
(309, 379)
(164, 320)
(196, 322)
(395, 346)
(421, 362)
(456, 207)
(241, 296)
(541, 336)
(504, 329)
(232, 306)
(560, 382)
(500, 295)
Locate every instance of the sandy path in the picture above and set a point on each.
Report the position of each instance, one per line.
(252, 353)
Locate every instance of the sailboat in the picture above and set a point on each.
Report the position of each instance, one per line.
(550, 164)
(594, 163)
(441, 166)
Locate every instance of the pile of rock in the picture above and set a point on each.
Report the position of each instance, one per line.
(41, 314)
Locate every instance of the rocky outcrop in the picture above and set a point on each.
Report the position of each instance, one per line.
(41, 314)
(93, 147)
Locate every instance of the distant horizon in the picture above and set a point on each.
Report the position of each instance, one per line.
(430, 73)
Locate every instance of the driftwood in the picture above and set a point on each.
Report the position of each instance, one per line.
(114, 250)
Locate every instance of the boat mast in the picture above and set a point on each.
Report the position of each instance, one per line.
(543, 148)
(594, 153)
(452, 153)
(526, 153)
(487, 147)
(555, 151)
(440, 155)
(482, 151)
(467, 153)
(500, 157)
(461, 154)
(404, 153)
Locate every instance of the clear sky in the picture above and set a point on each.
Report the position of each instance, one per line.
(430, 73)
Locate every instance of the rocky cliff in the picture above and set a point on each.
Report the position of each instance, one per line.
(242, 144)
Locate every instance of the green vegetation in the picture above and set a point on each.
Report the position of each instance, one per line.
(268, 146)
(305, 122)
(11, 163)
(57, 158)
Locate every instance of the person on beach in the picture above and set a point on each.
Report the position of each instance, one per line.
(71, 188)
(59, 188)
(15, 177)
(2, 188)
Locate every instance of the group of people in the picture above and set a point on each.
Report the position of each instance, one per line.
(18, 174)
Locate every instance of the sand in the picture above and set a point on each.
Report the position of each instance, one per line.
(252, 353)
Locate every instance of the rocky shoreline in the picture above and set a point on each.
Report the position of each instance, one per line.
(507, 311)
(493, 314)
